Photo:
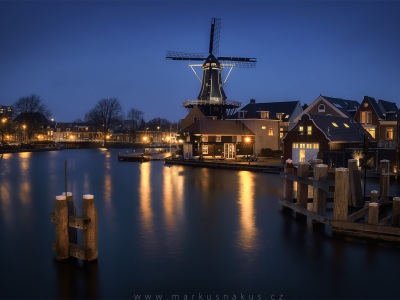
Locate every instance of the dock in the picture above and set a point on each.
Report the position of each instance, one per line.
(374, 217)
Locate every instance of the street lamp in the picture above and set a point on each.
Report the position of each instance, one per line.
(3, 122)
(247, 140)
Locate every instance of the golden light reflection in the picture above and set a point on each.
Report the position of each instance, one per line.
(248, 230)
(25, 186)
(107, 181)
(173, 197)
(146, 213)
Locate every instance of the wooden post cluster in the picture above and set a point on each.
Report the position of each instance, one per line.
(373, 213)
(319, 195)
(302, 188)
(65, 219)
(356, 199)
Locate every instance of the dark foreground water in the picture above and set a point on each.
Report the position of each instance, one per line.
(177, 233)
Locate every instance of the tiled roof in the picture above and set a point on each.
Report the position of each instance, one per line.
(387, 106)
(335, 129)
(344, 105)
(253, 109)
(219, 127)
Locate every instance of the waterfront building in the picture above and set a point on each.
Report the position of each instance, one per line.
(76, 132)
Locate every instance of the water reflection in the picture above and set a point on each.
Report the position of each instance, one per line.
(25, 186)
(173, 197)
(248, 231)
(146, 213)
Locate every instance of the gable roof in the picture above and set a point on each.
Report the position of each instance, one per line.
(334, 128)
(375, 107)
(219, 127)
(345, 105)
(253, 109)
(387, 106)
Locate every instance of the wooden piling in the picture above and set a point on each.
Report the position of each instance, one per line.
(72, 232)
(355, 184)
(384, 177)
(288, 184)
(396, 212)
(342, 193)
(90, 235)
(302, 189)
(373, 213)
(319, 195)
(61, 221)
(374, 196)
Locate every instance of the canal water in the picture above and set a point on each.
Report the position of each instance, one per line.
(175, 233)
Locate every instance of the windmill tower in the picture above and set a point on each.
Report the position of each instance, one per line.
(212, 100)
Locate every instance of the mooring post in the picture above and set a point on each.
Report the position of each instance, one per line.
(61, 221)
(342, 193)
(384, 178)
(288, 184)
(90, 235)
(373, 213)
(302, 189)
(374, 196)
(396, 212)
(72, 232)
(319, 196)
(355, 184)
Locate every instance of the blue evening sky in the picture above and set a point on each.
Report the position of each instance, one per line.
(73, 53)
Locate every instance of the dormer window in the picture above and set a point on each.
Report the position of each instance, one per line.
(264, 114)
(241, 114)
(321, 108)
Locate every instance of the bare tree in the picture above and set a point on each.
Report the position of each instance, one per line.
(30, 104)
(135, 116)
(105, 113)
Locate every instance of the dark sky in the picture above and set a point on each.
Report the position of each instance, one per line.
(73, 53)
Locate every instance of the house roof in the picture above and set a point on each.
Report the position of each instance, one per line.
(253, 109)
(387, 106)
(219, 127)
(344, 105)
(337, 129)
(375, 106)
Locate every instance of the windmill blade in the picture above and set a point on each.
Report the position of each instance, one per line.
(241, 62)
(214, 35)
(174, 55)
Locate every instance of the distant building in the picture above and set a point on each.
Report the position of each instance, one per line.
(269, 121)
(76, 131)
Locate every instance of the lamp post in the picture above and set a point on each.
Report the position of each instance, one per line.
(3, 122)
(247, 140)
(23, 133)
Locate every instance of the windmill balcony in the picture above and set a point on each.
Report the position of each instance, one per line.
(210, 102)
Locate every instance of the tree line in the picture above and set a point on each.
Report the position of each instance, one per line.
(105, 113)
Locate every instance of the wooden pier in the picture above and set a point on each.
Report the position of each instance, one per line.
(377, 218)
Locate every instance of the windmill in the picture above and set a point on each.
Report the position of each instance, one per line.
(212, 100)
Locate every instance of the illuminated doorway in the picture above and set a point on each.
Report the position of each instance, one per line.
(229, 150)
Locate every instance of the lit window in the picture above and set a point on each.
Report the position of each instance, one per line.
(270, 131)
(205, 149)
(371, 131)
(295, 145)
(309, 146)
(302, 146)
(334, 124)
(218, 138)
(301, 128)
(316, 146)
(321, 108)
(346, 125)
(281, 132)
(309, 130)
(389, 133)
(204, 138)
(265, 115)
(366, 117)
(264, 127)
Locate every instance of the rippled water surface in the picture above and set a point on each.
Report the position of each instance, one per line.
(175, 231)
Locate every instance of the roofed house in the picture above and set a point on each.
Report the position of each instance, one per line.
(268, 121)
(379, 118)
(37, 126)
(216, 138)
(329, 106)
(330, 138)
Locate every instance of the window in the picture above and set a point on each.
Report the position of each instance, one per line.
(281, 132)
(346, 125)
(334, 124)
(204, 138)
(279, 116)
(309, 130)
(309, 146)
(263, 127)
(264, 114)
(295, 145)
(371, 131)
(321, 108)
(366, 117)
(389, 133)
(204, 149)
(218, 138)
(301, 128)
(316, 146)
(270, 131)
(241, 114)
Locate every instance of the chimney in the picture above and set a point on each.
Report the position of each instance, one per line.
(252, 101)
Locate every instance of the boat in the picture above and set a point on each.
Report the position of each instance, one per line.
(137, 157)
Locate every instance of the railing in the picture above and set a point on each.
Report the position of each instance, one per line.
(212, 102)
